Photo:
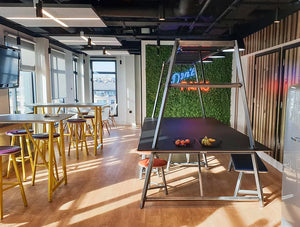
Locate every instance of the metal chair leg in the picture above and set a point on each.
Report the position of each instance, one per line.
(205, 160)
(238, 184)
(164, 180)
(169, 162)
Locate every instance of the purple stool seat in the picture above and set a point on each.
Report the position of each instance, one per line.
(88, 116)
(18, 132)
(44, 136)
(76, 120)
(6, 150)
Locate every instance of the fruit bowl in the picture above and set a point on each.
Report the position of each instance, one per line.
(210, 142)
(182, 142)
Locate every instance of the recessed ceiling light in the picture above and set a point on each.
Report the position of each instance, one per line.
(54, 18)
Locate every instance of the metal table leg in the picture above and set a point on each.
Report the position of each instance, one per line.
(147, 180)
(200, 177)
(257, 180)
(63, 153)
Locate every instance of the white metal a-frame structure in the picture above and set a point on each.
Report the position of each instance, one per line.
(198, 45)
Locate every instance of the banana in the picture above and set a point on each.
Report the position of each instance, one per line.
(205, 141)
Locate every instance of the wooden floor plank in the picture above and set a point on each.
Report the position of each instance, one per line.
(105, 191)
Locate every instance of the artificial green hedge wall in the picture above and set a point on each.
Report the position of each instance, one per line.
(186, 103)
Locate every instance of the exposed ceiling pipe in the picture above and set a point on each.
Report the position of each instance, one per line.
(199, 14)
(225, 12)
(184, 8)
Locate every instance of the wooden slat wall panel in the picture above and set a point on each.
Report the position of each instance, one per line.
(288, 29)
(264, 96)
(267, 86)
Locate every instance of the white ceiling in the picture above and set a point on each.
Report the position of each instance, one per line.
(77, 40)
(71, 16)
(108, 52)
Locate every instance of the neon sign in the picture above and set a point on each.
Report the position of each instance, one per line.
(177, 77)
(206, 89)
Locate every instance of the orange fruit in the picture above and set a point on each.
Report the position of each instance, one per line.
(182, 142)
(177, 142)
(187, 141)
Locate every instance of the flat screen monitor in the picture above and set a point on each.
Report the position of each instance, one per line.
(9, 67)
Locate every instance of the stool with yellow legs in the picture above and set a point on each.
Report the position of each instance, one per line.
(75, 136)
(42, 143)
(10, 151)
(22, 134)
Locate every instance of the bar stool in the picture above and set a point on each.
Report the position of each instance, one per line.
(44, 138)
(23, 158)
(157, 163)
(78, 123)
(88, 129)
(242, 163)
(11, 151)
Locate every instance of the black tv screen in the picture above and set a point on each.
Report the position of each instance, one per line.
(9, 67)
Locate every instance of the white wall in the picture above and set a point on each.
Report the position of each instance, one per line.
(138, 90)
(69, 77)
(87, 79)
(42, 71)
(126, 90)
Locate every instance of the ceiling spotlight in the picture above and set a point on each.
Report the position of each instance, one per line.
(161, 11)
(39, 9)
(276, 19)
(89, 44)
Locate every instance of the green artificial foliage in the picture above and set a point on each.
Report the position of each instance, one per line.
(186, 103)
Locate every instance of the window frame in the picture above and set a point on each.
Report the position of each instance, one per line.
(75, 74)
(104, 72)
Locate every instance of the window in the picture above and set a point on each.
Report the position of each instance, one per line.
(75, 73)
(104, 78)
(24, 94)
(58, 75)
(20, 97)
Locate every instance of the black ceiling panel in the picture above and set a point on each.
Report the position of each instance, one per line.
(131, 21)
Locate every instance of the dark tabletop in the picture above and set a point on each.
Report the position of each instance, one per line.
(227, 138)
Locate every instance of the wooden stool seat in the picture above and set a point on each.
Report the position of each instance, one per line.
(18, 132)
(21, 133)
(11, 151)
(44, 136)
(76, 120)
(156, 163)
(88, 116)
(6, 150)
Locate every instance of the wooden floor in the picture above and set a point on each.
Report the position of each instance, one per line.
(105, 191)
